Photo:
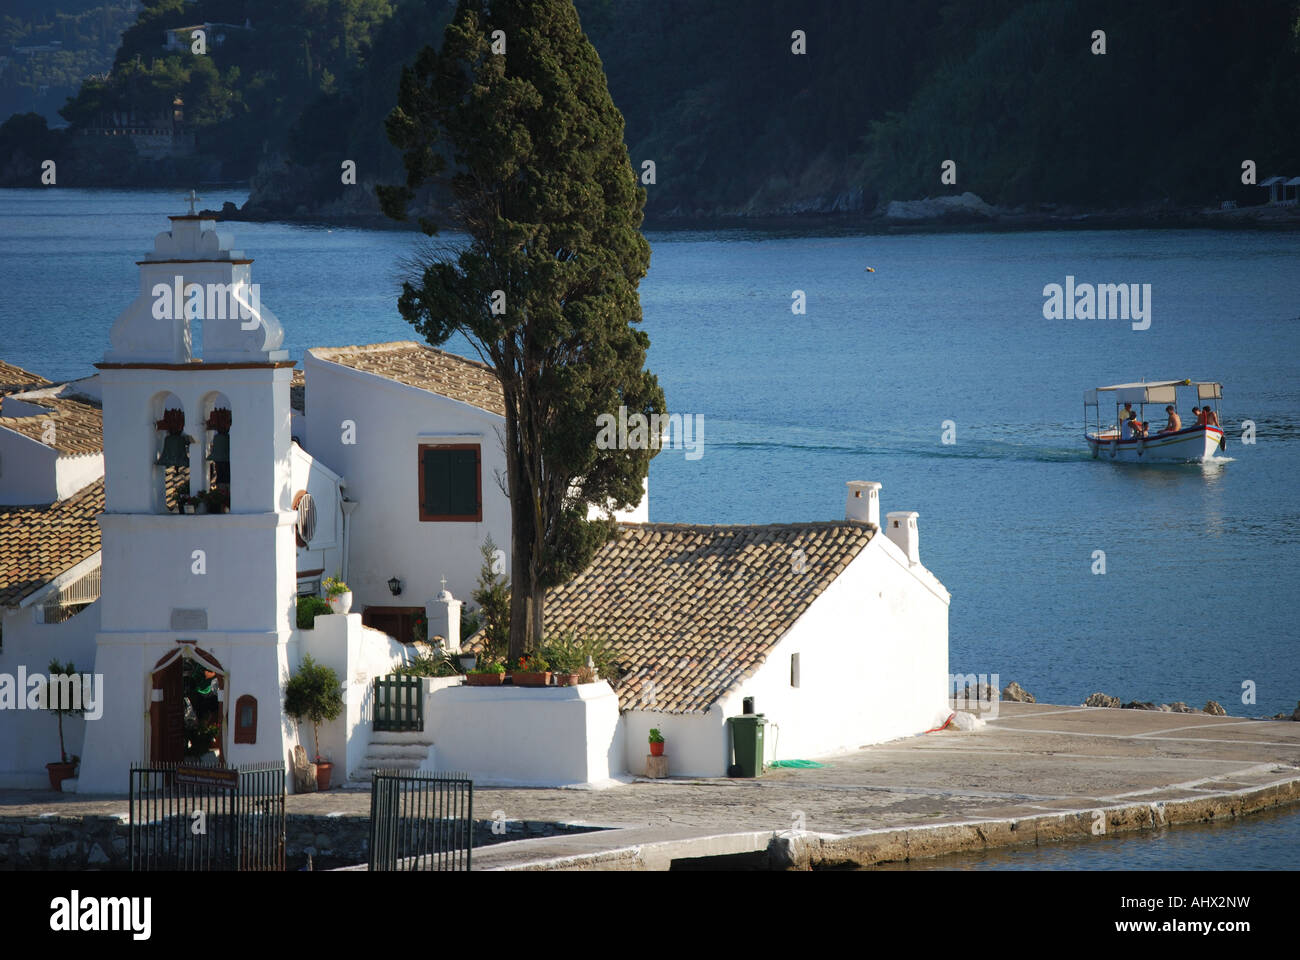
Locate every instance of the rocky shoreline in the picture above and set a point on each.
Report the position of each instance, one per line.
(964, 212)
(1015, 693)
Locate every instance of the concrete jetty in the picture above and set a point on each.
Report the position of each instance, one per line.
(1036, 774)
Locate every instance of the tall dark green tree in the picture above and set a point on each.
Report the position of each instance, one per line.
(513, 117)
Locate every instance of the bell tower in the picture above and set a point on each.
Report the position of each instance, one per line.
(195, 390)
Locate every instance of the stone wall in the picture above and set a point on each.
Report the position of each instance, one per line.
(100, 842)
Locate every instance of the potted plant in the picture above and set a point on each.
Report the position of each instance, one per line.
(533, 670)
(314, 693)
(467, 661)
(565, 655)
(338, 594)
(656, 742)
(489, 674)
(215, 500)
(66, 767)
(187, 504)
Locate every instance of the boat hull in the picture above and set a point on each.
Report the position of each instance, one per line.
(1190, 443)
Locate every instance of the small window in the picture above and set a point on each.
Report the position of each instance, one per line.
(246, 719)
(450, 488)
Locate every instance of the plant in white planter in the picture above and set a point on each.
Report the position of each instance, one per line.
(337, 594)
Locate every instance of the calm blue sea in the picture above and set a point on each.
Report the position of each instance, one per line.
(1201, 560)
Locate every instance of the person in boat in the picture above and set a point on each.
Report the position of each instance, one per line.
(1199, 414)
(1175, 422)
(1211, 418)
(1127, 418)
(1139, 428)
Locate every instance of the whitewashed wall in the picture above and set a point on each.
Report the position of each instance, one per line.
(28, 470)
(387, 537)
(30, 739)
(528, 736)
(696, 745)
(325, 552)
(358, 655)
(873, 663)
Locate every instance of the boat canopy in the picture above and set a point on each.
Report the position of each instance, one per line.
(1152, 391)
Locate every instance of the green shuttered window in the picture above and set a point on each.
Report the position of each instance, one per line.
(450, 487)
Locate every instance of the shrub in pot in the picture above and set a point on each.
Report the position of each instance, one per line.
(656, 742)
(66, 767)
(315, 693)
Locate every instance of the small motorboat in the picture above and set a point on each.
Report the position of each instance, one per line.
(1121, 440)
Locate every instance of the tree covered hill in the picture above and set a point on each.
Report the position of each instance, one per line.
(734, 121)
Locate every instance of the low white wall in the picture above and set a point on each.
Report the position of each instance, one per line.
(873, 663)
(696, 745)
(357, 654)
(29, 739)
(528, 736)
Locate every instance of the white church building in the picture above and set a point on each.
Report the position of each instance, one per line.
(380, 464)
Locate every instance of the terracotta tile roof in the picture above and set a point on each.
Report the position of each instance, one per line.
(298, 391)
(692, 610)
(78, 423)
(419, 365)
(39, 543)
(13, 379)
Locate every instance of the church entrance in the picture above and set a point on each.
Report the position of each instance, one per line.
(187, 708)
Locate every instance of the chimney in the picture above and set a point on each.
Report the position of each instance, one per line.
(901, 528)
(863, 502)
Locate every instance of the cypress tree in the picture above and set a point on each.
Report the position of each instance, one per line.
(518, 128)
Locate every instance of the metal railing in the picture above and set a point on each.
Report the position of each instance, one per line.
(71, 598)
(399, 703)
(421, 822)
(185, 817)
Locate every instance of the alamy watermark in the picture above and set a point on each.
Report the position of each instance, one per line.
(1103, 301)
(208, 301)
(62, 691)
(659, 431)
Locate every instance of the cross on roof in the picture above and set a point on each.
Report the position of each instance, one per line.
(193, 198)
(444, 583)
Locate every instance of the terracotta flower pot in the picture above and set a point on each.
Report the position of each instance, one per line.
(484, 679)
(566, 679)
(323, 770)
(58, 773)
(657, 749)
(532, 679)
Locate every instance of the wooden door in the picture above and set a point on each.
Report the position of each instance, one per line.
(167, 716)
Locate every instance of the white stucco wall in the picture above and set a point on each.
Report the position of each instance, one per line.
(696, 745)
(387, 537)
(73, 473)
(28, 469)
(873, 652)
(528, 736)
(325, 552)
(30, 739)
(358, 655)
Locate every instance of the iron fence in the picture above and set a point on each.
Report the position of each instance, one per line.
(421, 822)
(186, 817)
(399, 703)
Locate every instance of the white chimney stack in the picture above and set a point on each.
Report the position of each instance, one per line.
(901, 528)
(863, 502)
(442, 614)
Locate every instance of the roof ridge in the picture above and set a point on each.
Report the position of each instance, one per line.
(392, 346)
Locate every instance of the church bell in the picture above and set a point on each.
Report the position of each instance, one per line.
(175, 451)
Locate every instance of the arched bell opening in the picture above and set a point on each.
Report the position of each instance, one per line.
(171, 463)
(217, 423)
